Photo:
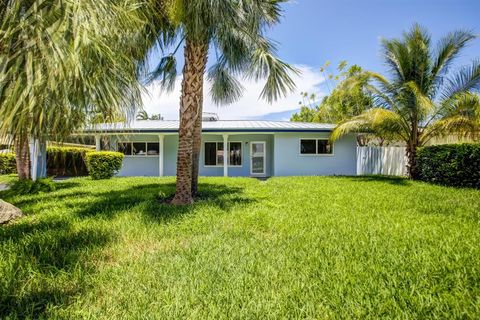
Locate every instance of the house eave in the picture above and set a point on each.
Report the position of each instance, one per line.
(225, 130)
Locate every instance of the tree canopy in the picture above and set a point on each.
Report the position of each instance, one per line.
(348, 98)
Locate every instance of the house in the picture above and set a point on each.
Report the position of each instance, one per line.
(231, 148)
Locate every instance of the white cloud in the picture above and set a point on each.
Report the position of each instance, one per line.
(249, 106)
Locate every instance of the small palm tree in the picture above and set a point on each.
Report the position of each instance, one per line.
(142, 115)
(235, 31)
(424, 98)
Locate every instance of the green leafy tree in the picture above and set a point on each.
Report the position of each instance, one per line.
(234, 30)
(348, 98)
(424, 97)
(66, 62)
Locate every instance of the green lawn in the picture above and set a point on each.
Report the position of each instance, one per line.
(313, 247)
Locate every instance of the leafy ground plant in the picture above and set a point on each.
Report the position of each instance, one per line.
(309, 247)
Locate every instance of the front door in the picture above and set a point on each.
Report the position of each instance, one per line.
(257, 158)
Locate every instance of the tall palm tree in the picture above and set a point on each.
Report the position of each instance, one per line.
(424, 96)
(62, 61)
(234, 31)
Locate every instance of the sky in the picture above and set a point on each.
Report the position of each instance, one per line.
(312, 32)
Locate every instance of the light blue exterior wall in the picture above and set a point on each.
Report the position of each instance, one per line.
(289, 161)
(137, 165)
(282, 155)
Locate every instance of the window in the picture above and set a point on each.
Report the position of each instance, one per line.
(220, 153)
(308, 146)
(139, 148)
(125, 148)
(153, 148)
(210, 153)
(315, 146)
(235, 150)
(324, 147)
(214, 154)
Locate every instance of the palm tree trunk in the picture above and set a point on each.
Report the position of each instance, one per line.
(22, 156)
(197, 144)
(412, 162)
(412, 151)
(190, 110)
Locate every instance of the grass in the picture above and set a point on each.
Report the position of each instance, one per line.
(7, 178)
(310, 247)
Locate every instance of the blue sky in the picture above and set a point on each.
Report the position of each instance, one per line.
(314, 31)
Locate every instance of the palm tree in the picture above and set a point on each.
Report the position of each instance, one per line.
(157, 116)
(234, 30)
(424, 98)
(58, 71)
(142, 115)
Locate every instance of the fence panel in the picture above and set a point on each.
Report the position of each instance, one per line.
(381, 160)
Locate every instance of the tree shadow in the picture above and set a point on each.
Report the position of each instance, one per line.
(152, 201)
(394, 180)
(39, 256)
(48, 260)
(61, 184)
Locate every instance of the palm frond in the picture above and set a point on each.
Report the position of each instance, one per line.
(423, 104)
(458, 115)
(379, 121)
(465, 79)
(448, 49)
(53, 63)
(278, 74)
(225, 88)
(166, 72)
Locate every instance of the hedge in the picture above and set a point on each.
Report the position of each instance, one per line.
(451, 164)
(67, 161)
(103, 164)
(8, 164)
(61, 161)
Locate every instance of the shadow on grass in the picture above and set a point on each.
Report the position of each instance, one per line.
(394, 180)
(150, 201)
(44, 264)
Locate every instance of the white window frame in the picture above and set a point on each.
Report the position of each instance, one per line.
(316, 154)
(224, 154)
(140, 155)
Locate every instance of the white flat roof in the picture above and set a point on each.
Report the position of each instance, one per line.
(214, 126)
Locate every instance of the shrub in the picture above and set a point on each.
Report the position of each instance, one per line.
(452, 165)
(32, 187)
(103, 164)
(7, 163)
(67, 161)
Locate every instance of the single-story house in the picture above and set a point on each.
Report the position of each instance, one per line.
(231, 148)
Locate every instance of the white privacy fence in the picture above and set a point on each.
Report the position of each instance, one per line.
(381, 160)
